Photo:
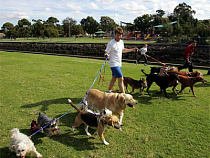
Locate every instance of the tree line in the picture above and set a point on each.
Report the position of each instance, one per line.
(186, 26)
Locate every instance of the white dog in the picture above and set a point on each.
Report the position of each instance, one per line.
(21, 144)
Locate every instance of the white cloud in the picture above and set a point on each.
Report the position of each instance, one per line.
(133, 6)
(93, 6)
(105, 1)
(48, 9)
(14, 16)
(74, 7)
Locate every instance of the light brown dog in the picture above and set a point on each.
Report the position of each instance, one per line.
(135, 84)
(190, 82)
(116, 102)
(95, 122)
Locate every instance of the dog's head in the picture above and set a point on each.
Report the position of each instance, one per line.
(54, 127)
(129, 100)
(201, 79)
(154, 70)
(106, 112)
(111, 121)
(198, 73)
(143, 82)
(20, 149)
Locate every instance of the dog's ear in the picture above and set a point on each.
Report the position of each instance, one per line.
(103, 119)
(13, 147)
(121, 99)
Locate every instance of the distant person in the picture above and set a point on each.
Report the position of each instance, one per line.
(188, 52)
(143, 51)
(114, 51)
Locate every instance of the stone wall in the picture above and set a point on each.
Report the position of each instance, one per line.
(162, 52)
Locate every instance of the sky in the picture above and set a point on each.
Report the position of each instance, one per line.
(119, 10)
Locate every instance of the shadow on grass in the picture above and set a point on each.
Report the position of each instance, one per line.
(207, 84)
(147, 99)
(46, 103)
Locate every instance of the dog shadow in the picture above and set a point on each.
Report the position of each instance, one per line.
(207, 84)
(74, 138)
(5, 152)
(79, 141)
(147, 99)
(46, 103)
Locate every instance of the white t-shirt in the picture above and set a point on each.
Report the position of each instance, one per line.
(143, 50)
(114, 49)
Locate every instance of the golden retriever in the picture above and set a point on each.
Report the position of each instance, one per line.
(116, 102)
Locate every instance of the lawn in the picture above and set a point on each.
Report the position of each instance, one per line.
(157, 127)
(74, 40)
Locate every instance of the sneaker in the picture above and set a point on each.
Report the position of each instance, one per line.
(137, 62)
(108, 91)
(145, 64)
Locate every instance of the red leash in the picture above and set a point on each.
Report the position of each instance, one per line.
(164, 65)
(105, 82)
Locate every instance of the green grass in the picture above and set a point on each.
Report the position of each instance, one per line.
(72, 40)
(158, 127)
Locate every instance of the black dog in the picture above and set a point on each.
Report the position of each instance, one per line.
(162, 81)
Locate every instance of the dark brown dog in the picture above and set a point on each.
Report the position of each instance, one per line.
(190, 82)
(135, 84)
(190, 74)
(95, 122)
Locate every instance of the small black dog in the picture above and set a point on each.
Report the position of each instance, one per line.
(162, 81)
(44, 120)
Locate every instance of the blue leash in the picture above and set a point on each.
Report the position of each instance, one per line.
(77, 104)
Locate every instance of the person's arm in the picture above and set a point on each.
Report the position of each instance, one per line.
(126, 50)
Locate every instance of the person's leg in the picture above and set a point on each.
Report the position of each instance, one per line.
(121, 84)
(190, 65)
(112, 82)
(185, 65)
(145, 60)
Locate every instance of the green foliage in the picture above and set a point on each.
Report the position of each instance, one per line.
(90, 25)
(157, 127)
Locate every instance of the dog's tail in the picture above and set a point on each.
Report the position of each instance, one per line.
(15, 131)
(144, 72)
(72, 104)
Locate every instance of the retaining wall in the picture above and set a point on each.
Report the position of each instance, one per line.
(162, 52)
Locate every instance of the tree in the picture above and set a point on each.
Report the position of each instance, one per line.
(144, 22)
(90, 25)
(77, 29)
(184, 12)
(67, 25)
(38, 28)
(24, 28)
(9, 30)
(107, 23)
(51, 22)
(51, 32)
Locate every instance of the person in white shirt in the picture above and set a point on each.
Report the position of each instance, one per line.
(114, 51)
(143, 51)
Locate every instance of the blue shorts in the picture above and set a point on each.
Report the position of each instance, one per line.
(116, 72)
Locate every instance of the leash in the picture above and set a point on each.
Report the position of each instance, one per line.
(77, 104)
(52, 122)
(94, 80)
(106, 83)
(164, 65)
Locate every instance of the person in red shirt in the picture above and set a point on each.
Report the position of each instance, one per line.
(188, 52)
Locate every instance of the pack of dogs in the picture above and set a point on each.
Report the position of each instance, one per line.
(107, 107)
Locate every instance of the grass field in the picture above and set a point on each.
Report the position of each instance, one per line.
(74, 40)
(157, 127)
